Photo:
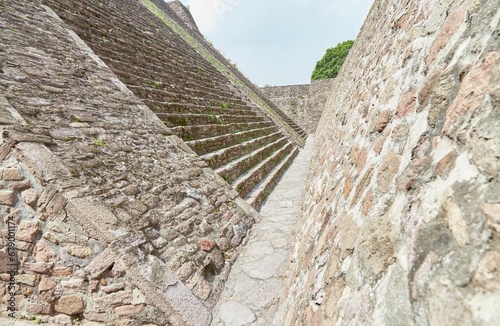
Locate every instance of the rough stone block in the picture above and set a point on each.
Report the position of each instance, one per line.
(70, 305)
(492, 212)
(41, 268)
(79, 251)
(206, 244)
(27, 231)
(30, 197)
(62, 271)
(129, 310)
(38, 308)
(46, 284)
(8, 198)
(12, 174)
(43, 252)
(26, 279)
(113, 300)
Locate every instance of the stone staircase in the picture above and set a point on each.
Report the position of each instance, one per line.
(231, 133)
(167, 7)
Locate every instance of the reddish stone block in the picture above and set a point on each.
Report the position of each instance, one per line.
(407, 103)
(62, 271)
(382, 120)
(8, 198)
(472, 90)
(43, 252)
(388, 170)
(11, 175)
(129, 310)
(27, 231)
(206, 244)
(487, 276)
(38, 308)
(70, 305)
(449, 28)
(445, 165)
(46, 284)
(492, 212)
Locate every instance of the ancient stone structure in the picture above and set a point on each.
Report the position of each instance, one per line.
(108, 216)
(401, 217)
(303, 103)
(175, 72)
(127, 145)
(184, 14)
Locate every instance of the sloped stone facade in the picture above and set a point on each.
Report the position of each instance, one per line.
(114, 219)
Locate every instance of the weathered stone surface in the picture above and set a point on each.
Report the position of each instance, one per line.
(39, 308)
(129, 310)
(471, 93)
(30, 197)
(62, 271)
(43, 252)
(492, 212)
(428, 217)
(407, 103)
(108, 167)
(42, 268)
(79, 251)
(113, 288)
(233, 313)
(116, 299)
(27, 279)
(27, 231)
(46, 284)
(388, 170)
(7, 197)
(447, 30)
(302, 103)
(382, 120)
(206, 244)
(70, 305)
(488, 272)
(11, 175)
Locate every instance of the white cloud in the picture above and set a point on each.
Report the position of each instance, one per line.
(208, 13)
(277, 42)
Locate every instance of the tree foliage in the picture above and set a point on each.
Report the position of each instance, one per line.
(329, 66)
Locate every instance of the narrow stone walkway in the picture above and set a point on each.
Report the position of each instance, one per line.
(254, 286)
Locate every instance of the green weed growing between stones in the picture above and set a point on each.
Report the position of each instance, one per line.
(98, 142)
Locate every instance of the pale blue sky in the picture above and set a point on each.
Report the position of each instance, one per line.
(275, 43)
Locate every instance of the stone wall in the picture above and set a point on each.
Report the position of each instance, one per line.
(401, 216)
(111, 218)
(303, 103)
(184, 15)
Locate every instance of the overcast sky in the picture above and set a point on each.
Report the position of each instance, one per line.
(276, 42)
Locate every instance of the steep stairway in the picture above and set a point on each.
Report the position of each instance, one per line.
(231, 133)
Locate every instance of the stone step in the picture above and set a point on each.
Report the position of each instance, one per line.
(189, 133)
(180, 97)
(262, 190)
(211, 144)
(236, 168)
(175, 120)
(158, 81)
(112, 25)
(248, 181)
(101, 48)
(225, 155)
(190, 108)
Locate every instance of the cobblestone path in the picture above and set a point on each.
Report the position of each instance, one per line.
(254, 286)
